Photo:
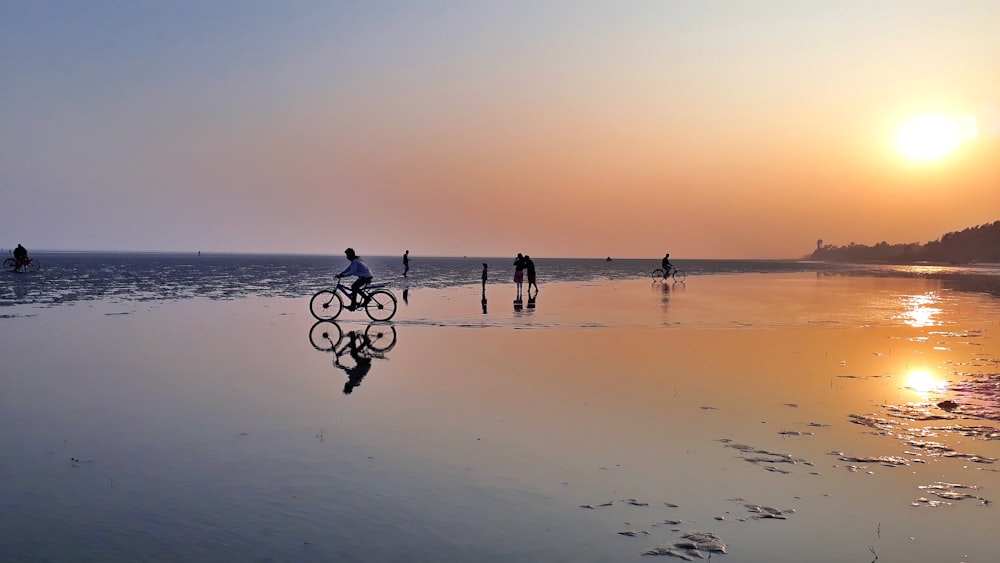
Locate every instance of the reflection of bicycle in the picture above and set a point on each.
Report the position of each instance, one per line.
(376, 340)
(660, 274)
(378, 302)
(361, 347)
(30, 265)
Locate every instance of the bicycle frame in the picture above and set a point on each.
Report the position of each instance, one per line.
(363, 292)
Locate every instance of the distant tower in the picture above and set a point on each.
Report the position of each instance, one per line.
(819, 244)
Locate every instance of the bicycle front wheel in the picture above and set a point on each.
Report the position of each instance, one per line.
(658, 274)
(325, 305)
(381, 338)
(679, 275)
(325, 335)
(9, 265)
(381, 305)
(32, 266)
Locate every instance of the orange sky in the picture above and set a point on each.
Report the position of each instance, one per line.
(706, 129)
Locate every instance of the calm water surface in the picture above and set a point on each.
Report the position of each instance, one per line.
(164, 417)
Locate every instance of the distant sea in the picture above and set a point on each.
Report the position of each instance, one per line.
(67, 277)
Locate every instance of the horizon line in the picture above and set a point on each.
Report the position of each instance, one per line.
(251, 253)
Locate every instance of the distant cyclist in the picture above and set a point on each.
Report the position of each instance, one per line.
(21, 256)
(357, 268)
(666, 265)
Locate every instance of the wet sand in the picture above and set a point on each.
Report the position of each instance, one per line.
(794, 417)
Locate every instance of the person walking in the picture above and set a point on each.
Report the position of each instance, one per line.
(484, 276)
(406, 262)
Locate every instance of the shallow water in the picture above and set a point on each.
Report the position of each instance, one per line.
(203, 429)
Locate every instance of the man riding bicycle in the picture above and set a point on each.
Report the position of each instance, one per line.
(21, 256)
(357, 268)
(667, 266)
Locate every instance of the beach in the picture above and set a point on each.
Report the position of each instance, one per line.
(790, 416)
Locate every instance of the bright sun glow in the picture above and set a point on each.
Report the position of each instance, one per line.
(922, 382)
(929, 137)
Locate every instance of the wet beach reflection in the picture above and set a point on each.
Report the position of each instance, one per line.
(353, 351)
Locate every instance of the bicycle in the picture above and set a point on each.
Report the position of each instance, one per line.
(326, 336)
(677, 274)
(378, 302)
(11, 265)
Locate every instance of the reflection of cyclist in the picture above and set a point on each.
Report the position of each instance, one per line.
(356, 268)
(667, 266)
(21, 255)
(357, 343)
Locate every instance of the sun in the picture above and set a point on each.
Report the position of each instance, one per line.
(929, 137)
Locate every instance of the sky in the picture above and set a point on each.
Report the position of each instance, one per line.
(703, 128)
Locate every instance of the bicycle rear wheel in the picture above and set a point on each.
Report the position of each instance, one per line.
(657, 274)
(679, 275)
(325, 335)
(9, 265)
(381, 338)
(325, 305)
(380, 305)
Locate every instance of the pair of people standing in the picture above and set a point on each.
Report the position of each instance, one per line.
(521, 263)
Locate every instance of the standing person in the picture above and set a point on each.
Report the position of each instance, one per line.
(667, 266)
(358, 268)
(519, 273)
(406, 262)
(484, 276)
(529, 265)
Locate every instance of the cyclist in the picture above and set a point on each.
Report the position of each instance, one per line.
(357, 268)
(21, 256)
(667, 266)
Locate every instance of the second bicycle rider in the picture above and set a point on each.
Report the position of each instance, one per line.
(667, 266)
(358, 268)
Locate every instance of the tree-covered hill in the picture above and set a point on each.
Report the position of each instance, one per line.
(975, 244)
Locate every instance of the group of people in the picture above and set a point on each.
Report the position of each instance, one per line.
(521, 263)
(363, 274)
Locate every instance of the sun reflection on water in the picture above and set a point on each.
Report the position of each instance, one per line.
(924, 382)
(919, 310)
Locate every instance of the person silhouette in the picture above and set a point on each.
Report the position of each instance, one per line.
(20, 256)
(485, 267)
(519, 273)
(357, 342)
(358, 268)
(667, 266)
(406, 262)
(529, 265)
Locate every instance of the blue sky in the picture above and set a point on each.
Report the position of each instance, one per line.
(714, 129)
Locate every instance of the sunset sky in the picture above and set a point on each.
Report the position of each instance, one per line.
(709, 129)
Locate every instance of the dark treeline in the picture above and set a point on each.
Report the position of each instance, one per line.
(975, 244)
